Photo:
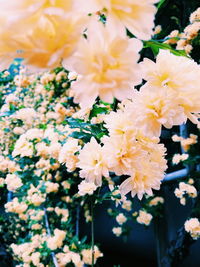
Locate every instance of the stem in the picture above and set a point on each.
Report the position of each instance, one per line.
(49, 234)
(92, 232)
(77, 220)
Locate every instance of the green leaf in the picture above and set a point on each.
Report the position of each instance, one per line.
(77, 123)
(156, 46)
(98, 110)
(81, 135)
(160, 4)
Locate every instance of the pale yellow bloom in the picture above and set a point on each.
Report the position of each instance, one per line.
(86, 188)
(56, 240)
(147, 172)
(178, 76)
(121, 154)
(34, 8)
(121, 124)
(121, 219)
(151, 108)
(13, 182)
(117, 231)
(87, 255)
(136, 16)
(106, 63)
(192, 226)
(177, 158)
(92, 163)
(67, 154)
(144, 217)
(42, 43)
(156, 200)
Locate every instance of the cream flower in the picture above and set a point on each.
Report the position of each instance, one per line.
(34, 9)
(120, 124)
(92, 163)
(106, 63)
(170, 71)
(56, 240)
(67, 154)
(117, 231)
(23, 147)
(87, 255)
(178, 76)
(121, 219)
(152, 108)
(13, 182)
(42, 43)
(147, 172)
(144, 217)
(139, 157)
(121, 154)
(86, 188)
(192, 226)
(136, 16)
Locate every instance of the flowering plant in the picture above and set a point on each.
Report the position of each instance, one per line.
(82, 114)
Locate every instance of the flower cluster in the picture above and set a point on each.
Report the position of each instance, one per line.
(82, 123)
(185, 189)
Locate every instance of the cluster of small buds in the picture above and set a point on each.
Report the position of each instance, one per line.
(177, 158)
(184, 40)
(156, 201)
(185, 189)
(185, 142)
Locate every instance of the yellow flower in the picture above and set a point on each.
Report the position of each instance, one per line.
(44, 42)
(34, 9)
(136, 16)
(151, 108)
(178, 76)
(106, 63)
(92, 163)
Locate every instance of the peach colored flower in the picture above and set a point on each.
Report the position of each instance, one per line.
(121, 154)
(42, 43)
(170, 71)
(120, 124)
(151, 108)
(178, 76)
(34, 9)
(136, 16)
(147, 174)
(106, 63)
(92, 163)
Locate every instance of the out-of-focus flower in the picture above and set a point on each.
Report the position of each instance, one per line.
(192, 226)
(87, 255)
(42, 43)
(136, 16)
(121, 219)
(86, 188)
(67, 154)
(117, 231)
(106, 63)
(144, 217)
(177, 158)
(13, 182)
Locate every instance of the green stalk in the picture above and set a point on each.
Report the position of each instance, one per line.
(92, 232)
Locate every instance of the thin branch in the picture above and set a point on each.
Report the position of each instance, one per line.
(49, 234)
(92, 232)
